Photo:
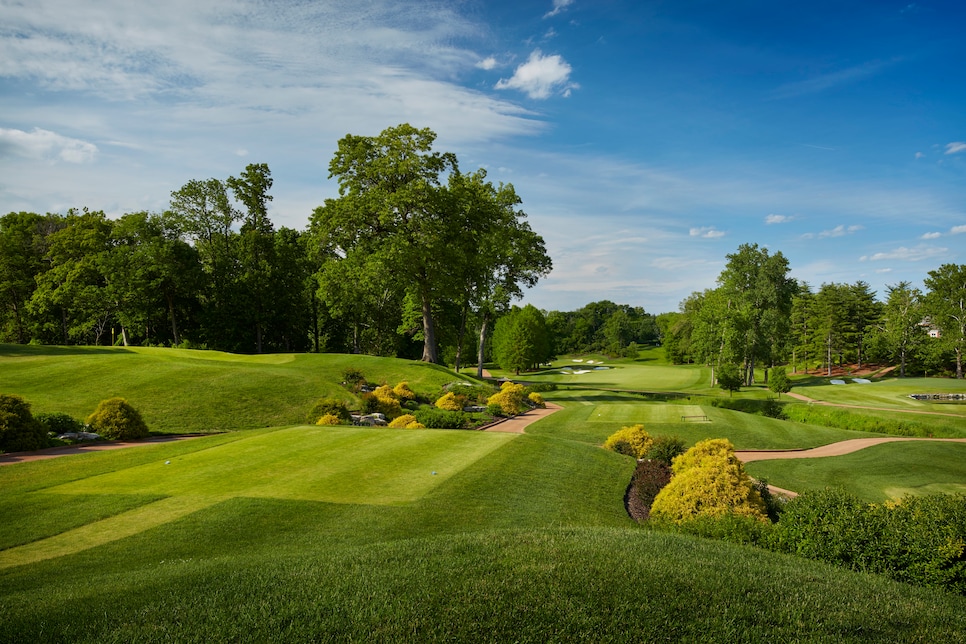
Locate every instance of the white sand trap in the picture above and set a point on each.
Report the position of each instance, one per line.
(861, 381)
(837, 382)
(578, 360)
(590, 362)
(581, 372)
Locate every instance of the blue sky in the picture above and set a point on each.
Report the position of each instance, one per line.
(647, 139)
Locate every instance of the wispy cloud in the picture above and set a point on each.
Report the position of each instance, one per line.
(558, 6)
(47, 145)
(839, 231)
(706, 232)
(541, 76)
(955, 146)
(917, 254)
(830, 80)
(955, 230)
(778, 219)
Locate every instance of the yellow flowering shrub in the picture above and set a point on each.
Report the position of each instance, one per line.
(632, 441)
(388, 403)
(708, 481)
(449, 402)
(415, 425)
(537, 400)
(509, 398)
(403, 421)
(403, 392)
(329, 419)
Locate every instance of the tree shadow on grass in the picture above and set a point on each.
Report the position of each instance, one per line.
(25, 350)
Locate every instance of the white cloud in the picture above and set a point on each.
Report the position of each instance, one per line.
(540, 76)
(778, 219)
(955, 146)
(839, 231)
(47, 145)
(487, 63)
(919, 155)
(957, 230)
(931, 236)
(558, 6)
(706, 232)
(904, 254)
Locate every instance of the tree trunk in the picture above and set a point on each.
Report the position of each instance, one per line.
(484, 327)
(459, 338)
(124, 335)
(174, 322)
(429, 331)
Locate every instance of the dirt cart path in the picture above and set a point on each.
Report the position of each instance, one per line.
(834, 449)
(517, 424)
(54, 452)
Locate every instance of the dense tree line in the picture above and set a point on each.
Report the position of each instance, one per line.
(758, 316)
(413, 259)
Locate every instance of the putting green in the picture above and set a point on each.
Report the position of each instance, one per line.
(330, 464)
(647, 413)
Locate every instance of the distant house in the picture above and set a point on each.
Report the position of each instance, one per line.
(931, 329)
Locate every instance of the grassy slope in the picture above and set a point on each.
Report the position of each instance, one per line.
(179, 391)
(522, 538)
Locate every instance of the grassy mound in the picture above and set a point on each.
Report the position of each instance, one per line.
(184, 391)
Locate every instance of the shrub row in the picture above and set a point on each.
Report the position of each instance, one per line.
(918, 539)
(21, 431)
(845, 419)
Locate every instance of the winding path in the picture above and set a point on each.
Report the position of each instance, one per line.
(54, 452)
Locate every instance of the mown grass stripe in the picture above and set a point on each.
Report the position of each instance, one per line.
(107, 530)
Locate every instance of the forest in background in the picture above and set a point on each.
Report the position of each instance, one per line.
(419, 260)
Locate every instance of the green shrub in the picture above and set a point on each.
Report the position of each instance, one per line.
(59, 423)
(857, 421)
(732, 528)
(329, 406)
(919, 539)
(115, 418)
(353, 379)
(441, 419)
(19, 430)
(665, 448)
(632, 441)
(541, 387)
(770, 408)
(494, 409)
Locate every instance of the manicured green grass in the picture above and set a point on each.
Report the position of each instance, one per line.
(623, 374)
(875, 474)
(345, 534)
(647, 413)
(181, 391)
(891, 392)
(550, 584)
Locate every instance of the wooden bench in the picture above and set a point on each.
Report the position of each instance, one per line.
(685, 419)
